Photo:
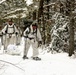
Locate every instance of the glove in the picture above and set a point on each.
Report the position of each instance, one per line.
(21, 35)
(16, 33)
(40, 42)
(6, 31)
(2, 33)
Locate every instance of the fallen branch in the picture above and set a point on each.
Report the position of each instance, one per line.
(12, 64)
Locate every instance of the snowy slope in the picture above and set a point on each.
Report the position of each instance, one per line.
(51, 64)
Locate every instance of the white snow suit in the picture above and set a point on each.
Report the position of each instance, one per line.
(31, 39)
(10, 36)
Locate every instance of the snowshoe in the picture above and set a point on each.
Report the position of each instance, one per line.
(36, 58)
(25, 57)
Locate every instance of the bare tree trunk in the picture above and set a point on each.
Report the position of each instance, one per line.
(34, 15)
(40, 11)
(71, 41)
(48, 9)
(41, 18)
(71, 28)
(47, 28)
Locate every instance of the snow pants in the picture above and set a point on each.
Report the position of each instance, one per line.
(34, 44)
(18, 39)
(3, 39)
(9, 40)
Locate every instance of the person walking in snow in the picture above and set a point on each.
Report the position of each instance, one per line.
(10, 32)
(32, 37)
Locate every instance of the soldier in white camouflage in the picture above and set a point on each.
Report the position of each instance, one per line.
(32, 37)
(10, 33)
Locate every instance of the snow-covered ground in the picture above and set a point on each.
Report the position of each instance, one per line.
(51, 64)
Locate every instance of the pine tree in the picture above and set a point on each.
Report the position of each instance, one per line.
(70, 8)
(59, 33)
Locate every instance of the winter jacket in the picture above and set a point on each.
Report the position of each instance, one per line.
(10, 29)
(28, 33)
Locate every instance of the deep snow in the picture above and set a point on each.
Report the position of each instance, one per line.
(51, 64)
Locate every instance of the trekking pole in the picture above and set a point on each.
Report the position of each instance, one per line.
(16, 39)
(25, 42)
(1, 38)
(0, 41)
(4, 39)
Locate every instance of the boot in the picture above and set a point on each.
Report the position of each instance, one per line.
(36, 58)
(25, 57)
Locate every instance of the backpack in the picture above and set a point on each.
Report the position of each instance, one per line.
(10, 27)
(27, 23)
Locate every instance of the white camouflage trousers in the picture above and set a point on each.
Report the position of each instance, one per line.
(9, 40)
(34, 44)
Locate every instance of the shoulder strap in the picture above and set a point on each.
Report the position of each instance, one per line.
(14, 28)
(6, 29)
(10, 27)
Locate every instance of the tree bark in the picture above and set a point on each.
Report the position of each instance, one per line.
(71, 29)
(40, 11)
(71, 40)
(48, 9)
(34, 15)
